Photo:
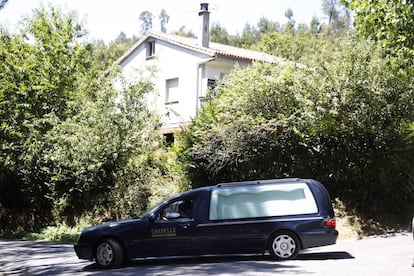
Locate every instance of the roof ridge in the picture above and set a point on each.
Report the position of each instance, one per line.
(215, 49)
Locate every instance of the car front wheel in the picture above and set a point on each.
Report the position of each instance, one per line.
(284, 245)
(109, 254)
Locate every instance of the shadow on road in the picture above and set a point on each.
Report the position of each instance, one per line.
(215, 264)
(319, 256)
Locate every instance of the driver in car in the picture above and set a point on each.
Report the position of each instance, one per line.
(184, 209)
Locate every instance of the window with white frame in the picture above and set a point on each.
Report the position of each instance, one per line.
(171, 91)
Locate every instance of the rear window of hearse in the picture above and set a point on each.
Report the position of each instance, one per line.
(261, 201)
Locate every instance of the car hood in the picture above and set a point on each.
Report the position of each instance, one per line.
(111, 225)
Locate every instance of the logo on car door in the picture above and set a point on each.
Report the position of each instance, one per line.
(163, 232)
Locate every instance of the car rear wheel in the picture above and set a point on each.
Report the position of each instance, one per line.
(109, 254)
(284, 245)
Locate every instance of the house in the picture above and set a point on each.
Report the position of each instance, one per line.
(187, 70)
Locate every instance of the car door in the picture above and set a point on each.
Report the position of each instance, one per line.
(220, 233)
(170, 232)
(223, 237)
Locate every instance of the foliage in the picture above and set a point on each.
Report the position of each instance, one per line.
(144, 182)
(290, 40)
(267, 26)
(391, 22)
(341, 119)
(164, 18)
(39, 69)
(75, 143)
(183, 32)
(146, 17)
(58, 233)
(72, 139)
(302, 42)
(236, 136)
(3, 3)
(104, 56)
(89, 149)
(361, 117)
(219, 34)
(290, 25)
(297, 47)
(339, 18)
(248, 36)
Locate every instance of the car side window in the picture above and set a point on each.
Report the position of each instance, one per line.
(261, 201)
(176, 210)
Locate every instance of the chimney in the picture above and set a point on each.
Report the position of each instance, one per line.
(204, 36)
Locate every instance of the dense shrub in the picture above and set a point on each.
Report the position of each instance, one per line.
(342, 119)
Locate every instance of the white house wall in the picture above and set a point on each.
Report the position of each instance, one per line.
(215, 70)
(192, 69)
(181, 63)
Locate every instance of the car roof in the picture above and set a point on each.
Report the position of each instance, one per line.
(251, 182)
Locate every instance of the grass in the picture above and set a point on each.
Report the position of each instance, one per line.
(347, 225)
(58, 233)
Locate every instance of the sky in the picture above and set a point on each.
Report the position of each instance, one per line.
(106, 19)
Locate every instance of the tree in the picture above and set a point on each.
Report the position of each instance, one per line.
(294, 47)
(76, 137)
(39, 69)
(183, 32)
(248, 37)
(390, 22)
(239, 133)
(2, 3)
(315, 25)
(146, 25)
(364, 109)
(267, 26)
(338, 16)
(289, 27)
(91, 151)
(105, 55)
(331, 8)
(339, 119)
(164, 18)
(219, 34)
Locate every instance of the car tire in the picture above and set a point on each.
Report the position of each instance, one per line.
(284, 245)
(109, 254)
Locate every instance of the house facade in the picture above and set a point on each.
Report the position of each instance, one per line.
(187, 70)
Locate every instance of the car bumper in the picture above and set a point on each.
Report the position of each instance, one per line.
(84, 251)
(316, 239)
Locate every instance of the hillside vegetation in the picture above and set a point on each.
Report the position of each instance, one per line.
(76, 151)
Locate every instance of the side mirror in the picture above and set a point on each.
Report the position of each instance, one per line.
(151, 217)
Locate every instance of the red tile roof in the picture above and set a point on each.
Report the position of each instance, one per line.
(214, 49)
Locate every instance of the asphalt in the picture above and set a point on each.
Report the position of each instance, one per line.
(386, 255)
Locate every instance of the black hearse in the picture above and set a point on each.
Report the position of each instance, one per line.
(279, 216)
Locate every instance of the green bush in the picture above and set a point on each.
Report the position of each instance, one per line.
(343, 119)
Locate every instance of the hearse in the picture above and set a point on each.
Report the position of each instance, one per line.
(276, 216)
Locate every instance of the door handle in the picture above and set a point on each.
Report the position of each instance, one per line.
(184, 226)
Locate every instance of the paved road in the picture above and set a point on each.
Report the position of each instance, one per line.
(383, 255)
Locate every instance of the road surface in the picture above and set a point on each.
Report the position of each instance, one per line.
(381, 255)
